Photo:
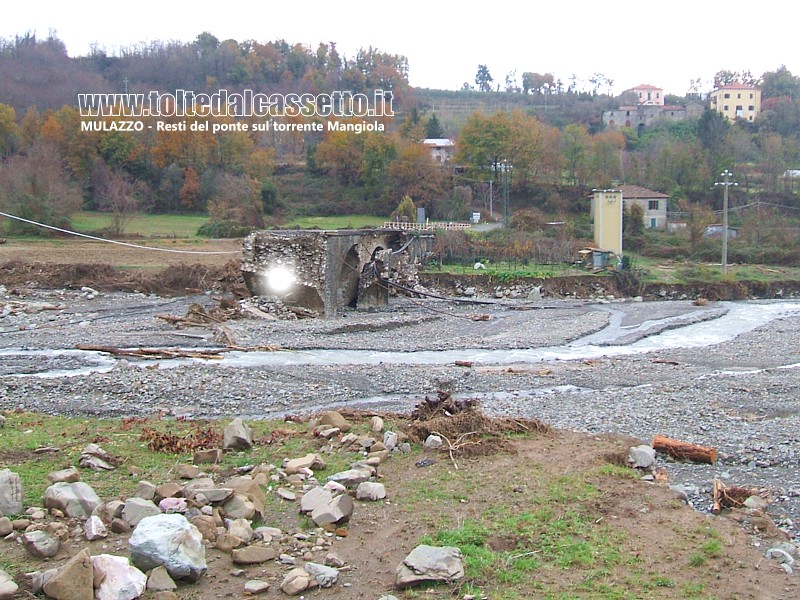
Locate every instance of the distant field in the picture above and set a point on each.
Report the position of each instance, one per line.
(147, 225)
(336, 222)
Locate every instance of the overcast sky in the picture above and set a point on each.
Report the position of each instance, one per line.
(661, 43)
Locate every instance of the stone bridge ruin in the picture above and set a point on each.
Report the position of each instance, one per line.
(327, 271)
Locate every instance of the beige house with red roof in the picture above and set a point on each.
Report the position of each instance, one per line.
(654, 204)
(737, 101)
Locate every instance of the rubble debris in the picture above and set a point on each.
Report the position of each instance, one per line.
(463, 428)
(684, 450)
(734, 496)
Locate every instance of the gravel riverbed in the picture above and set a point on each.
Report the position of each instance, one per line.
(739, 395)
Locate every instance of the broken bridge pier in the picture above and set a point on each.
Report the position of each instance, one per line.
(329, 270)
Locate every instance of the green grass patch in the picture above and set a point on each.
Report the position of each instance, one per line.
(334, 222)
(143, 224)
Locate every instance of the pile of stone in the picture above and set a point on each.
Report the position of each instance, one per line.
(169, 525)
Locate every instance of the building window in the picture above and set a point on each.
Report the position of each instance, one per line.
(739, 95)
(751, 95)
(725, 108)
(653, 223)
(652, 205)
(751, 108)
(726, 96)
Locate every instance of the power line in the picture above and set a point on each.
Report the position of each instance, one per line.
(107, 241)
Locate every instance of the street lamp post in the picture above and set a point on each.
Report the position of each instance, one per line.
(726, 184)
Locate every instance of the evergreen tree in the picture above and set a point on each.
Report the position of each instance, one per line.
(433, 129)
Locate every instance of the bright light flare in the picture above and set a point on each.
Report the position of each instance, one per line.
(280, 279)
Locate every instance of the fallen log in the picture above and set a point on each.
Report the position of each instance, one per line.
(684, 450)
(154, 353)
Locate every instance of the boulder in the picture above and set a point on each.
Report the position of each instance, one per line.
(376, 424)
(11, 493)
(116, 579)
(202, 457)
(40, 544)
(5, 526)
(255, 586)
(168, 490)
(295, 582)
(333, 418)
(237, 436)
(369, 490)
(239, 507)
(74, 580)
(137, 509)
(351, 477)
(173, 505)
(213, 495)
(324, 576)
(430, 563)
(432, 442)
(76, 500)
(171, 541)
(95, 458)
(158, 580)
(338, 510)
(69, 475)
(242, 529)
(641, 457)
(8, 588)
(144, 490)
(313, 498)
(188, 471)
(206, 525)
(95, 529)
(390, 440)
(253, 555)
(309, 461)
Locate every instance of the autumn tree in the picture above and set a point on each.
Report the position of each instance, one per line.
(698, 217)
(35, 187)
(115, 193)
(190, 190)
(237, 199)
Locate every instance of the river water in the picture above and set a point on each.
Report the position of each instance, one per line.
(735, 319)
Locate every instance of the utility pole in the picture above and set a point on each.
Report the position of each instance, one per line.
(506, 172)
(726, 184)
(491, 201)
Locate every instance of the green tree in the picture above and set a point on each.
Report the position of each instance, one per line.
(9, 132)
(483, 79)
(433, 128)
(780, 82)
(405, 211)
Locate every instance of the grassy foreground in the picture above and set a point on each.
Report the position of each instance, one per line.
(542, 530)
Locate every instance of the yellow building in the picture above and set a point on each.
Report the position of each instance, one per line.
(607, 212)
(737, 101)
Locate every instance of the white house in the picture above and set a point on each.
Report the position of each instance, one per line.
(442, 149)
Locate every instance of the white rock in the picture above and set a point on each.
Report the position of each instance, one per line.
(171, 541)
(94, 528)
(116, 579)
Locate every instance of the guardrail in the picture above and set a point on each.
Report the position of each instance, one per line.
(406, 226)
